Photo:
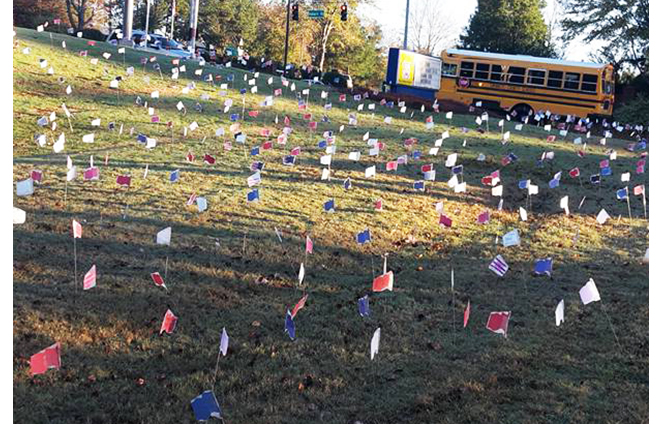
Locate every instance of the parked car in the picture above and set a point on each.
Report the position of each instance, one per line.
(137, 37)
(167, 46)
(337, 79)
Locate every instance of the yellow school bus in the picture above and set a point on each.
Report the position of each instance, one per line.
(522, 85)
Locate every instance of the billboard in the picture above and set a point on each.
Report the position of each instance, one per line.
(418, 70)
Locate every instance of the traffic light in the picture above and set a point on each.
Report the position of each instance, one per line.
(344, 12)
(295, 12)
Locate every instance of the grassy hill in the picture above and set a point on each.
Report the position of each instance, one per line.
(226, 266)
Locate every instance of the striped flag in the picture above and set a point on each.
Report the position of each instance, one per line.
(90, 279)
(499, 266)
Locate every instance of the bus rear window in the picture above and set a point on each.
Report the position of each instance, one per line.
(536, 76)
(467, 69)
(496, 73)
(555, 79)
(589, 83)
(482, 71)
(571, 81)
(516, 75)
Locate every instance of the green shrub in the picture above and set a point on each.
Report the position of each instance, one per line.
(634, 112)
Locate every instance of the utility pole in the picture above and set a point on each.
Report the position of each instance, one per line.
(193, 25)
(147, 23)
(172, 20)
(128, 27)
(407, 16)
(287, 36)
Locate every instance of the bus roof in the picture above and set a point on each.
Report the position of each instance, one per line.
(523, 58)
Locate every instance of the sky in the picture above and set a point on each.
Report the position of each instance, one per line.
(390, 15)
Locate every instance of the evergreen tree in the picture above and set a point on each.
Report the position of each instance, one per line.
(509, 26)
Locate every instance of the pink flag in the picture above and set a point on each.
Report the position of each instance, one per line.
(264, 132)
(498, 322)
(392, 166)
(158, 280)
(483, 217)
(307, 116)
(91, 174)
(313, 125)
(378, 205)
(286, 120)
(78, 229)
(384, 282)
(295, 151)
(638, 190)
(90, 279)
(267, 145)
(253, 114)
(36, 175)
(466, 315)
(309, 245)
(298, 306)
(445, 220)
(48, 358)
(169, 322)
(124, 180)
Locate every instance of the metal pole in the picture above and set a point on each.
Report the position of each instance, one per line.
(287, 36)
(147, 23)
(128, 22)
(172, 20)
(407, 16)
(193, 25)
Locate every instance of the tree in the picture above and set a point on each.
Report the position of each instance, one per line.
(226, 22)
(31, 13)
(509, 26)
(82, 13)
(623, 24)
(430, 29)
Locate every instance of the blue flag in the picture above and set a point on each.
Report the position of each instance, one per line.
(257, 166)
(595, 179)
(390, 104)
(322, 144)
(289, 160)
(622, 194)
(364, 237)
(641, 146)
(230, 77)
(325, 118)
(419, 185)
(206, 406)
(554, 183)
(347, 184)
(457, 169)
(174, 176)
(329, 205)
(142, 138)
(290, 326)
(513, 157)
(364, 311)
(234, 117)
(416, 154)
(255, 151)
(253, 195)
(523, 184)
(606, 171)
(242, 91)
(543, 266)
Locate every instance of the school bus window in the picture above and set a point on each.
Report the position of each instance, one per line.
(467, 69)
(589, 82)
(555, 79)
(450, 69)
(496, 73)
(536, 77)
(482, 71)
(571, 81)
(516, 74)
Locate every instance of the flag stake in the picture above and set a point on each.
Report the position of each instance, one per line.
(628, 203)
(453, 303)
(611, 327)
(216, 368)
(644, 201)
(75, 265)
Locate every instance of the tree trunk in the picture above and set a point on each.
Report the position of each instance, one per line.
(69, 14)
(81, 15)
(325, 37)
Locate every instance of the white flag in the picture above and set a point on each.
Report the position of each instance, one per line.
(19, 216)
(523, 214)
(370, 171)
(589, 293)
(511, 238)
(564, 204)
(325, 174)
(71, 174)
(559, 313)
(88, 138)
(602, 217)
(163, 236)
(460, 188)
(325, 160)
(453, 181)
(25, 187)
(301, 273)
(497, 190)
(375, 343)
(451, 160)
(202, 204)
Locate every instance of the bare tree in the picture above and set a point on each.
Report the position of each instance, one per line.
(81, 13)
(431, 31)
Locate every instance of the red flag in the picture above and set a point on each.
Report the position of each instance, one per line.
(190, 157)
(78, 229)
(91, 43)
(466, 315)
(169, 322)
(282, 139)
(308, 116)
(445, 220)
(266, 145)
(427, 168)
(295, 151)
(392, 166)
(124, 180)
(483, 217)
(278, 92)
(90, 279)
(638, 190)
(341, 98)
(581, 153)
(209, 159)
(192, 199)
(574, 172)
(384, 282)
(309, 245)
(36, 175)
(46, 359)
(498, 322)
(286, 120)
(550, 138)
(487, 180)
(506, 160)
(158, 280)
(313, 125)
(378, 205)
(253, 114)
(641, 162)
(298, 306)
(429, 119)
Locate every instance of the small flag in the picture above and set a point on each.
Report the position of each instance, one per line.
(309, 245)
(223, 345)
(622, 193)
(559, 313)
(124, 180)
(375, 343)
(445, 220)
(90, 279)
(299, 306)
(253, 195)
(364, 236)
(511, 238)
(46, 359)
(543, 266)
(589, 293)
(329, 205)
(300, 277)
(498, 322)
(205, 406)
(602, 217)
(169, 322)
(290, 326)
(483, 217)
(639, 190)
(595, 179)
(158, 280)
(466, 315)
(575, 172)
(499, 266)
(364, 309)
(419, 185)
(523, 184)
(163, 236)
(523, 214)
(78, 229)
(347, 184)
(174, 176)
(384, 282)
(25, 187)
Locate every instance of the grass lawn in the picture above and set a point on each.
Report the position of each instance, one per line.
(226, 266)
